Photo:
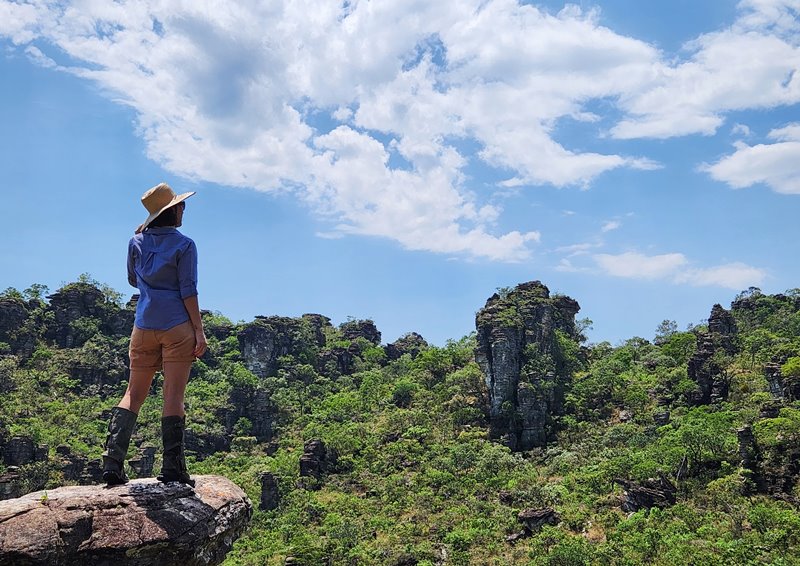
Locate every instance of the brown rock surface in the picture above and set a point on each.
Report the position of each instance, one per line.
(142, 523)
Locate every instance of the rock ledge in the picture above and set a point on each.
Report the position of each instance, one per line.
(142, 523)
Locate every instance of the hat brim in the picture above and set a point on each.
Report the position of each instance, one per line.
(178, 198)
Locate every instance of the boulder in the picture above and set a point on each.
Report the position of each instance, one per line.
(144, 522)
(533, 519)
(653, 492)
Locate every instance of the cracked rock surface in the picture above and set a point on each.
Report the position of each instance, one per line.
(144, 522)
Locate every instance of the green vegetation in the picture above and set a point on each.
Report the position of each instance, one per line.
(418, 481)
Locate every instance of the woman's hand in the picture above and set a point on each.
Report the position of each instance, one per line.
(200, 342)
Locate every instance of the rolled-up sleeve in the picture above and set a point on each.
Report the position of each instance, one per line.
(131, 264)
(187, 271)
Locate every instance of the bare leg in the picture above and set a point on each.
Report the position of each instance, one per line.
(176, 376)
(138, 388)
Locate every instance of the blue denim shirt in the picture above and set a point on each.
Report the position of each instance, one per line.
(162, 263)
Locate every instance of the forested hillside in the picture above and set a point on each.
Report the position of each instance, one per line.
(518, 444)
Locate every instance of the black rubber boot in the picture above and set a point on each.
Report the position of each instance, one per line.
(120, 429)
(173, 467)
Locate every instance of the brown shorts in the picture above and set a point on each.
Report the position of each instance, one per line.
(149, 349)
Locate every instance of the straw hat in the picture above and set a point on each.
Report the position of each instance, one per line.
(158, 199)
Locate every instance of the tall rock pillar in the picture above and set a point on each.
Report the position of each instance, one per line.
(523, 335)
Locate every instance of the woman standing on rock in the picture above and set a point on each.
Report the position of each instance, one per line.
(167, 334)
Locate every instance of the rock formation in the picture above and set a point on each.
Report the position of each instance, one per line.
(270, 496)
(14, 313)
(775, 467)
(782, 388)
(654, 492)
(707, 367)
(81, 309)
(141, 523)
(144, 461)
(317, 459)
(267, 338)
(21, 450)
(254, 404)
(365, 329)
(411, 343)
(533, 519)
(521, 352)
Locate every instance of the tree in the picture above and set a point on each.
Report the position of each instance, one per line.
(757, 341)
(664, 331)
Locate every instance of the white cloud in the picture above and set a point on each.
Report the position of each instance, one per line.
(566, 266)
(675, 267)
(752, 64)
(639, 266)
(244, 93)
(735, 276)
(740, 130)
(775, 165)
(790, 132)
(611, 225)
(578, 249)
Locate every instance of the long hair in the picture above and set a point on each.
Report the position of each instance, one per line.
(169, 217)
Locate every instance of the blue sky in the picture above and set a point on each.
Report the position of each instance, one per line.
(402, 160)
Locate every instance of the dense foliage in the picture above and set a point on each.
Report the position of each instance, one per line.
(417, 480)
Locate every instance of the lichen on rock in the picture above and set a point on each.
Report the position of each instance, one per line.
(144, 522)
(524, 340)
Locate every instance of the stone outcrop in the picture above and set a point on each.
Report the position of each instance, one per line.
(254, 404)
(267, 338)
(653, 492)
(21, 450)
(319, 325)
(269, 492)
(10, 484)
(141, 523)
(338, 360)
(14, 314)
(533, 519)
(81, 309)
(365, 329)
(775, 467)
(708, 366)
(144, 461)
(411, 343)
(251, 402)
(317, 459)
(783, 388)
(520, 354)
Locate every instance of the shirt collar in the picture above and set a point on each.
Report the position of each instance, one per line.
(161, 230)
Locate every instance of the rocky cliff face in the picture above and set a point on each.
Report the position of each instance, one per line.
(141, 523)
(14, 314)
(707, 367)
(81, 309)
(267, 338)
(365, 329)
(411, 344)
(520, 350)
